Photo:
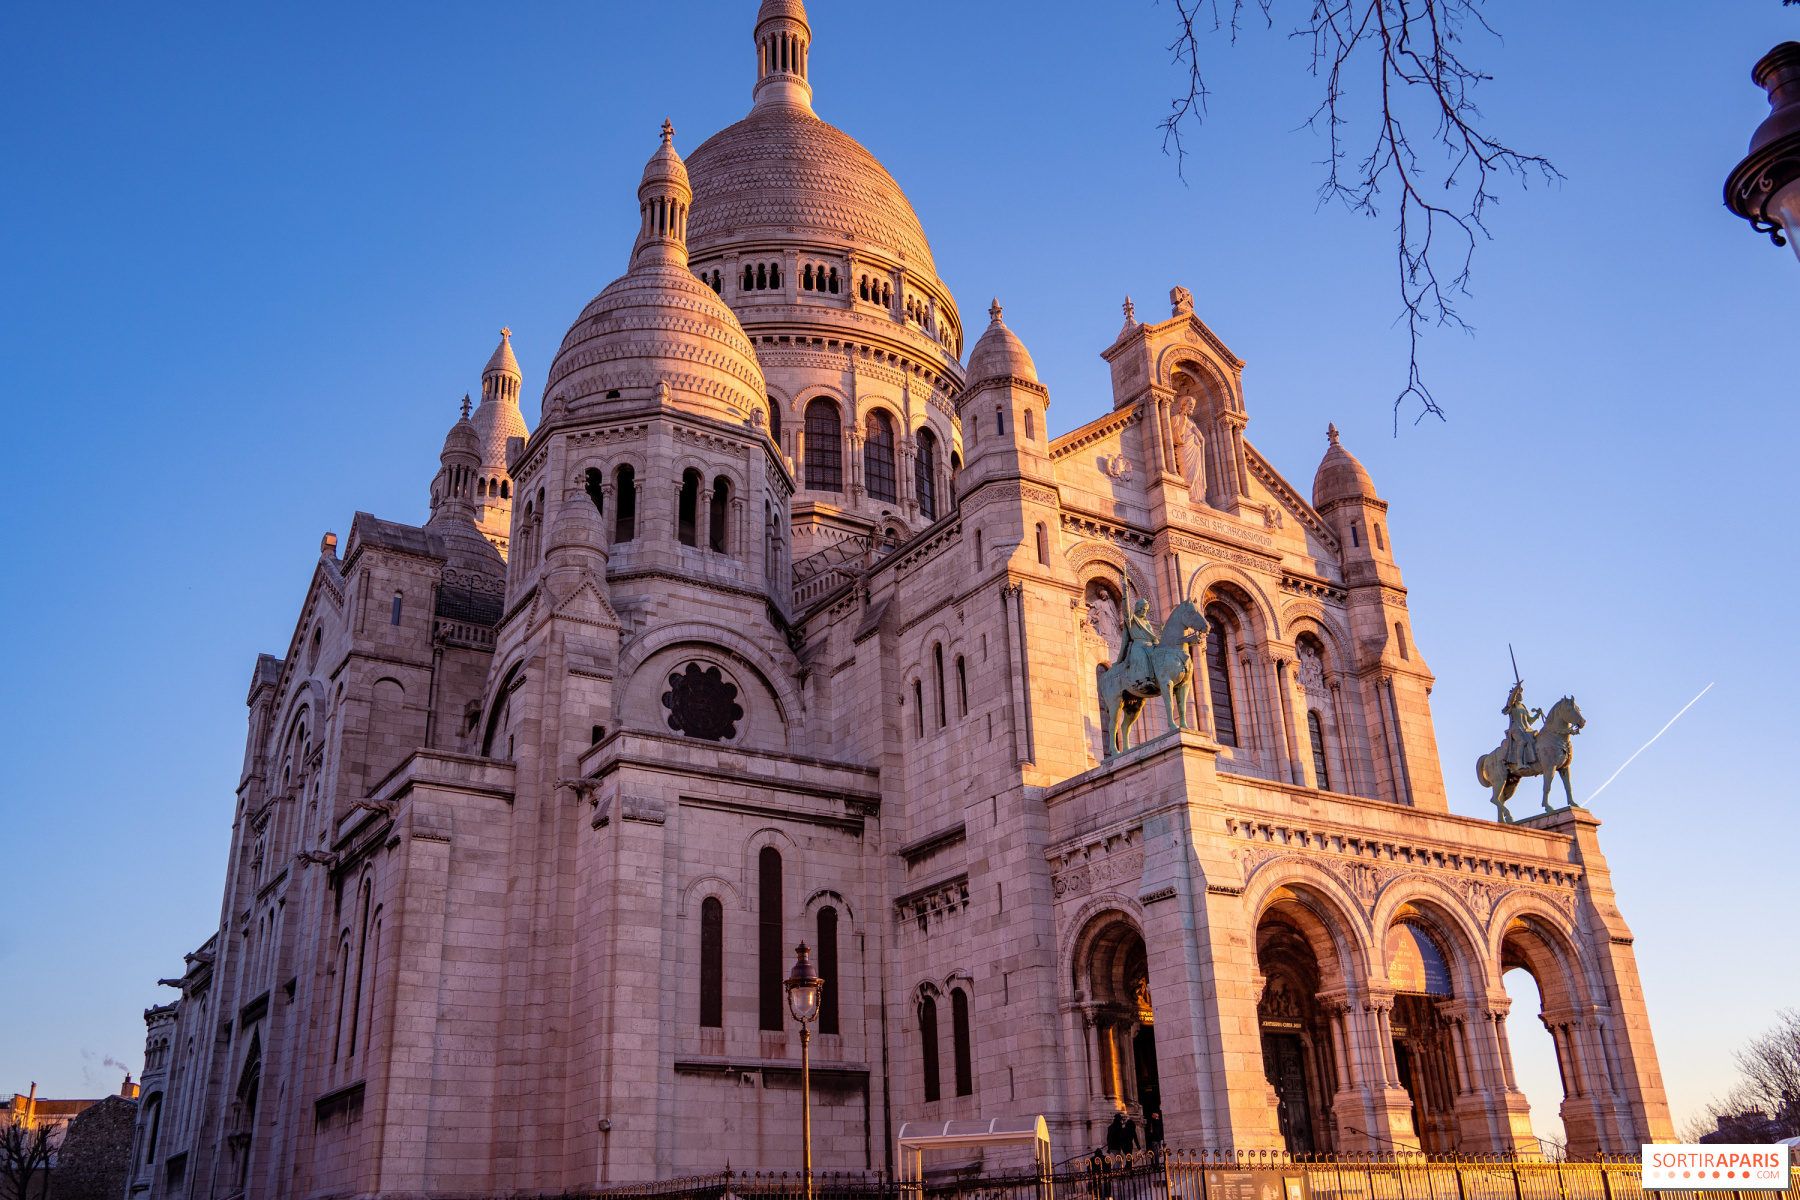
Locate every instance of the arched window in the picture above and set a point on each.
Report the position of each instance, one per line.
(153, 1123)
(962, 687)
(687, 510)
(774, 275)
(506, 489)
(395, 619)
(863, 287)
(918, 708)
(748, 282)
(721, 496)
(1043, 544)
(925, 474)
(1355, 539)
(1315, 729)
(1218, 656)
(831, 282)
(1030, 426)
(768, 940)
(824, 447)
(878, 458)
(937, 663)
(828, 970)
(775, 420)
(959, 1042)
(928, 1046)
(712, 963)
(806, 277)
(980, 562)
(1400, 639)
(596, 489)
(762, 277)
(1000, 421)
(1380, 542)
(625, 504)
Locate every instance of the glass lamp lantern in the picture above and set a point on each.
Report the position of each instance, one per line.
(804, 987)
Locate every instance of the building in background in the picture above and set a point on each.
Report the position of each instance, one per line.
(792, 631)
(92, 1154)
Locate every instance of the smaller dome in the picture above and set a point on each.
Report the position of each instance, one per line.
(665, 168)
(781, 8)
(1000, 352)
(1340, 476)
(463, 438)
(503, 360)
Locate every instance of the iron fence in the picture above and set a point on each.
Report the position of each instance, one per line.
(1208, 1175)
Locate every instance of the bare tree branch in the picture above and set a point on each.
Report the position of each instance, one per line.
(1444, 181)
(25, 1152)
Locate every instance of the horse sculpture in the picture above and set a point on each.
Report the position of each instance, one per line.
(1554, 753)
(1171, 672)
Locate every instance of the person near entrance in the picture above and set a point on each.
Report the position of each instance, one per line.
(1153, 1132)
(1121, 1135)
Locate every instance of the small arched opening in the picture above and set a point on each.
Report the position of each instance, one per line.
(1113, 971)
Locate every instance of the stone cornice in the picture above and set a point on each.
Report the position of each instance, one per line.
(1096, 431)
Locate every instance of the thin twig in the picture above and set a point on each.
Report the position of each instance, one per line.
(1414, 43)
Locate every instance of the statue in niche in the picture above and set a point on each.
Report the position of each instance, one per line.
(1311, 667)
(702, 703)
(1190, 443)
(1103, 615)
(1279, 1000)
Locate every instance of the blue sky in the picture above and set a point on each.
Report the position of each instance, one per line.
(254, 255)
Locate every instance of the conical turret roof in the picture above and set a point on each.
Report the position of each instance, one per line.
(1000, 352)
(1340, 476)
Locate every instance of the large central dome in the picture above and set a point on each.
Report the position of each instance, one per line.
(781, 168)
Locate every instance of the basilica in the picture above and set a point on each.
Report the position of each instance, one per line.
(790, 622)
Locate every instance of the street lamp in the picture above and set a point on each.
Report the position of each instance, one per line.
(804, 991)
(1764, 189)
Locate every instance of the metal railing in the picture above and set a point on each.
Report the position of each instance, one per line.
(1211, 1175)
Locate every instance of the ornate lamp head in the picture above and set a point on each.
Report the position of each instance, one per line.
(804, 987)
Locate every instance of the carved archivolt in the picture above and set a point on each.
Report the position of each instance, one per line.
(1082, 555)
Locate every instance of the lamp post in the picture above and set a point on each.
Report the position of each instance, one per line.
(804, 990)
(1764, 188)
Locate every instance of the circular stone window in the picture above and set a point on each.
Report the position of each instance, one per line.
(702, 703)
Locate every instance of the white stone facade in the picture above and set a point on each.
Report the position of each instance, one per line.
(524, 844)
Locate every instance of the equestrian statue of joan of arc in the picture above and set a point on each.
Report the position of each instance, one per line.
(1154, 660)
(1141, 633)
(1521, 738)
(1529, 751)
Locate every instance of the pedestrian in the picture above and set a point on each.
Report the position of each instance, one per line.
(1153, 1132)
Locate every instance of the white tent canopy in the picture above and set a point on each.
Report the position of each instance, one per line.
(916, 1137)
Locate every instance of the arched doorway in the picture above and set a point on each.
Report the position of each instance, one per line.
(1114, 984)
(1298, 1059)
(1418, 969)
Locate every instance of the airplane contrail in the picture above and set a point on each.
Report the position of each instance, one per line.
(1653, 737)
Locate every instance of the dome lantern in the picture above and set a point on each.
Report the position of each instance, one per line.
(664, 198)
(783, 41)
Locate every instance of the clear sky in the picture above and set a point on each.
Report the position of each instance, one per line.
(254, 255)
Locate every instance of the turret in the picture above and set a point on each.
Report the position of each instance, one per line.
(1396, 682)
(783, 39)
(1004, 438)
(453, 502)
(663, 200)
(496, 420)
(1002, 411)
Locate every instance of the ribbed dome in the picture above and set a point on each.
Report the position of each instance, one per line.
(781, 8)
(495, 421)
(782, 169)
(497, 417)
(658, 323)
(1000, 352)
(1340, 476)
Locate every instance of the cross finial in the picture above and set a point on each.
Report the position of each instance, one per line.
(505, 332)
(465, 404)
(1130, 310)
(1332, 433)
(668, 131)
(994, 311)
